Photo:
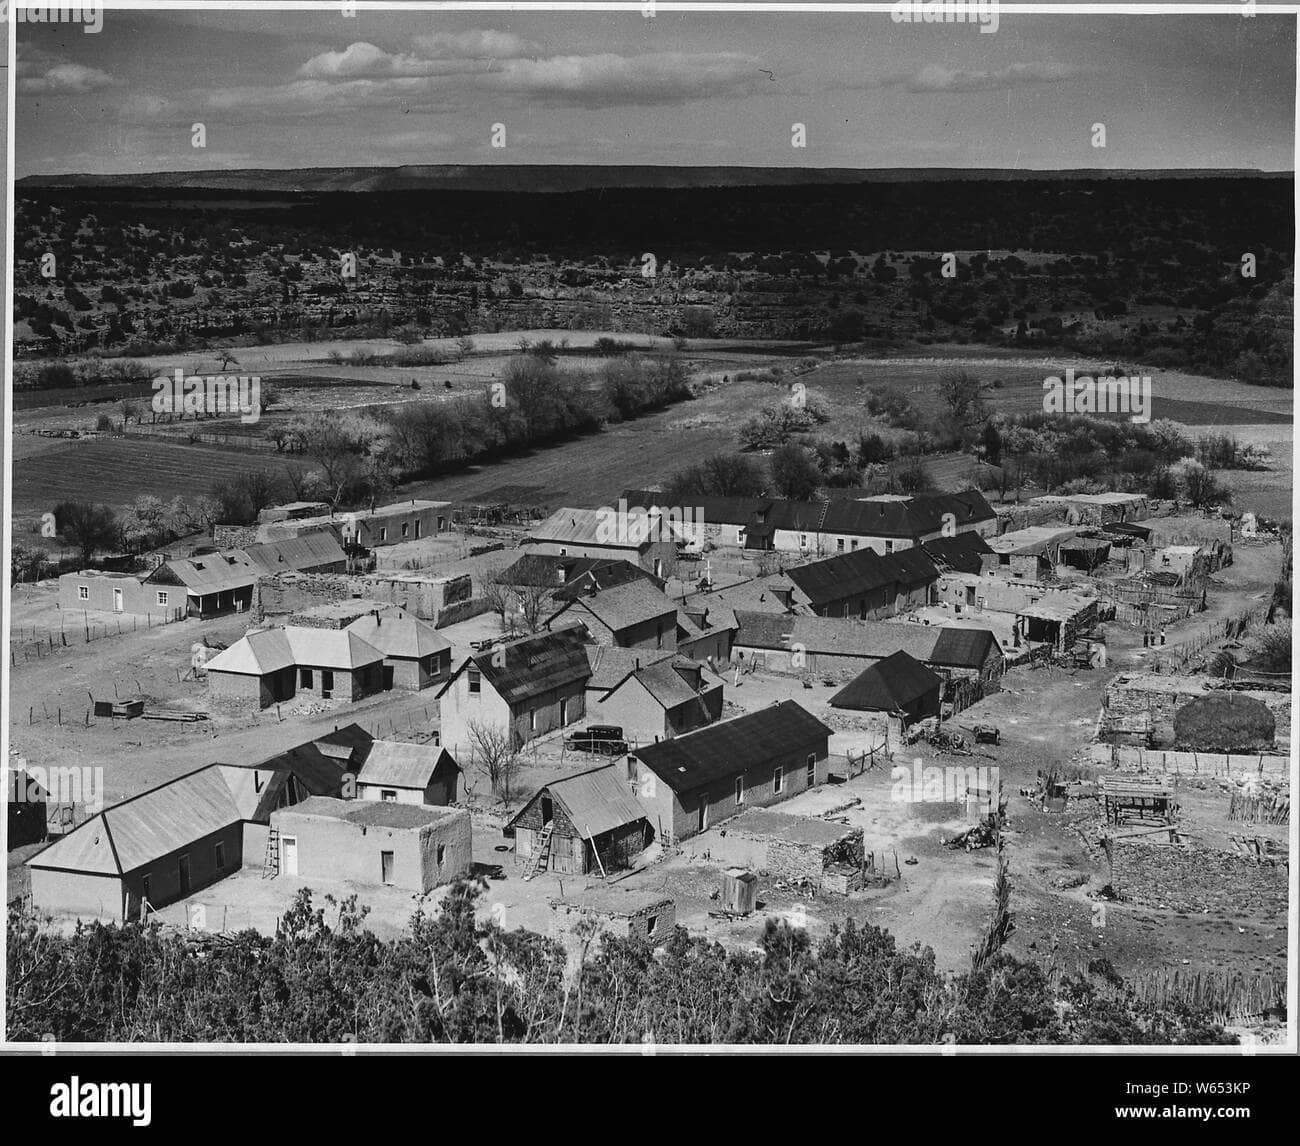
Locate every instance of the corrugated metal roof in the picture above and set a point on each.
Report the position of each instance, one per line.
(611, 665)
(961, 554)
(532, 666)
(858, 572)
(890, 684)
(271, 650)
(663, 682)
(255, 654)
(960, 647)
(731, 746)
(304, 552)
(596, 801)
(580, 527)
(400, 636)
(215, 572)
(158, 822)
(398, 765)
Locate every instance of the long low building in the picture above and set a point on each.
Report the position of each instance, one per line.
(840, 649)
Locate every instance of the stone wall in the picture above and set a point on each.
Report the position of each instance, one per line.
(1191, 879)
(234, 536)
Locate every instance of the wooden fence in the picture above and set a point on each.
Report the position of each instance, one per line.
(1129, 758)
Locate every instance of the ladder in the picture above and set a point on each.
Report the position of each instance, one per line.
(540, 860)
(271, 861)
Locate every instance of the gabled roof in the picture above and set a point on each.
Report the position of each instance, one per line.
(569, 576)
(610, 665)
(161, 821)
(399, 765)
(859, 572)
(582, 527)
(400, 635)
(890, 684)
(320, 764)
(304, 552)
(960, 554)
(596, 801)
(270, 650)
(214, 572)
(946, 646)
(625, 606)
(666, 684)
(731, 746)
(532, 666)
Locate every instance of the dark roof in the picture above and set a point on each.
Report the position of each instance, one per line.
(960, 554)
(860, 571)
(320, 764)
(569, 576)
(626, 606)
(964, 648)
(890, 684)
(732, 746)
(532, 666)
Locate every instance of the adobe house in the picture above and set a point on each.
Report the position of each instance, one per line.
(160, 846)
(212, 584)
(375, 843)
(96, 591)
(622, 913)
(408, 774)
(523, 689)
(694, 782)
(634, 615)
(275, 665)
(656, 701)
(596, 824)
(391, 524)
(416, 655)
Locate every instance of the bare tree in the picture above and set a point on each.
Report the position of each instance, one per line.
(494, 750)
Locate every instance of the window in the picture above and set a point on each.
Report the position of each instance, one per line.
(475, 680)
(406, 529)
(651, 923)
(740, 789)
(83, 592)
(162, 598)
(442, 853)
(383, 533)
(388, 795)
(304, 678)
(803, 541)
(564, 711)
(839, 545)
(812, 769)
(778, 780)
(326, 683)
(854, 543)
(889, 547)
(532, 720)
(220, 856)
(417, 529)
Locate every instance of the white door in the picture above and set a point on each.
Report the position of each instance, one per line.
(289, 855)
(117, 600)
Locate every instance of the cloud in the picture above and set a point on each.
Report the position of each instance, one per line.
(436, 54)
(41, 74)
(937, 78)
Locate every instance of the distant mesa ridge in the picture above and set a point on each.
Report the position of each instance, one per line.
(556, 178)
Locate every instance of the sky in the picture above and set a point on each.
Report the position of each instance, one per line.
(321, 89)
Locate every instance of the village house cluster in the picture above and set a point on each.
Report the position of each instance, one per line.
(623, 692)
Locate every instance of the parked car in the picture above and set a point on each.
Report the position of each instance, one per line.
(603, 739)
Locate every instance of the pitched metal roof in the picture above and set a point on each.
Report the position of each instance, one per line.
(320, 764)
(626, 605)
(960, 554)
(960, 647)
(400, 636)
(892, 683)
(858, 572)
(306, 551)
(532, 666)
(732, 746)
(163, 820)
(399, 765)
(946, 646)
(610, 665)
(580, 527)
(270, 650)
(214, 572)
(668, 687)
(596, 801)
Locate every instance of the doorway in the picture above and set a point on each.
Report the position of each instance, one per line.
(548, 810)
(184, 875)
(289, 854)
(386, 867)
(704, 813)
(117, 600)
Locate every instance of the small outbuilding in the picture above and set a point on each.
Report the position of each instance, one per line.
(373, 843)
(408, 774)
(896, 684)
(624, 914)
